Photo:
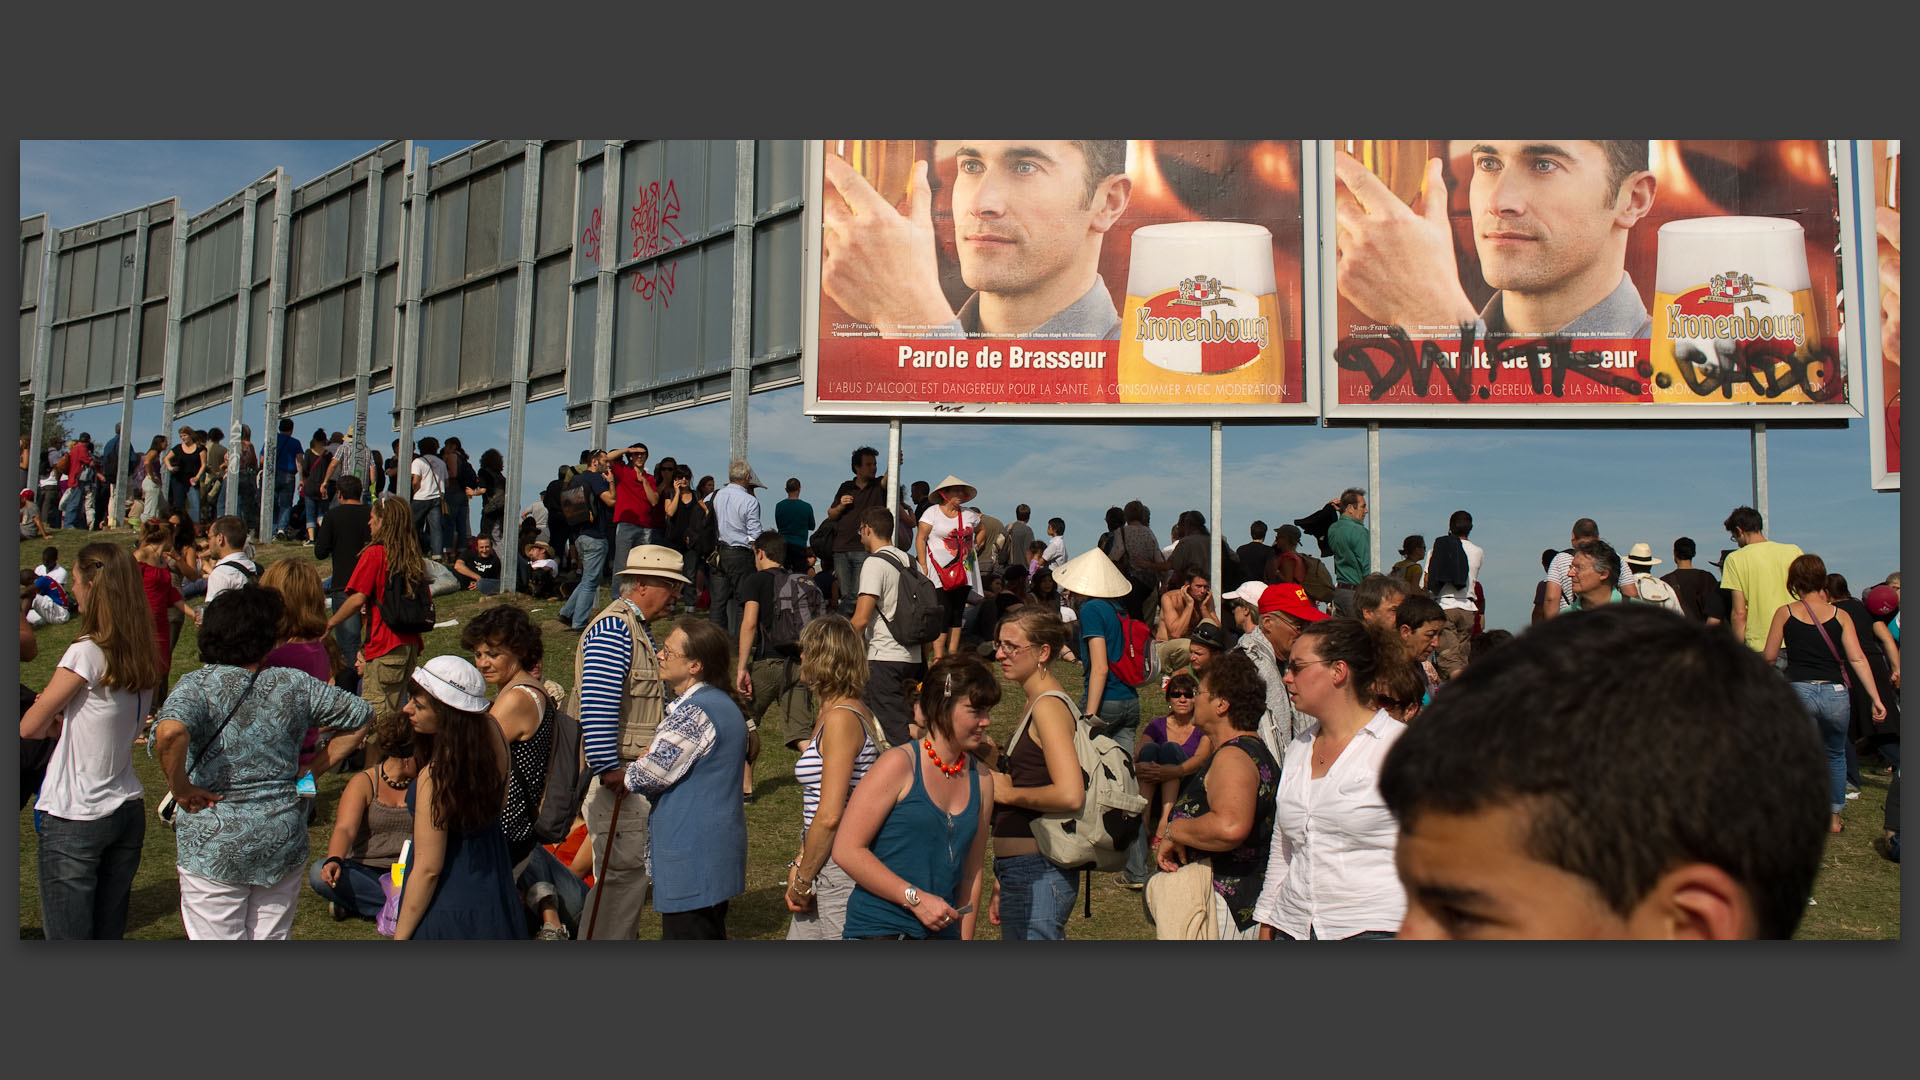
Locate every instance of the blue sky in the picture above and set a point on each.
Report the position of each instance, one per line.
(1524, 486)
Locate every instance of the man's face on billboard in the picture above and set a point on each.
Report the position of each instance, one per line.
(1543, 210)
(1020, 211)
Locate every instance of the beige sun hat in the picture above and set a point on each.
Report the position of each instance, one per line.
(1642, 553)
(1091, 573)
(952, 481)
(653, 560)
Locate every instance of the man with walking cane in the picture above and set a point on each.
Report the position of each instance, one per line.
(620, 701)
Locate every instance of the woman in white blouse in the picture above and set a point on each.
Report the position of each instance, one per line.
(1330, 873)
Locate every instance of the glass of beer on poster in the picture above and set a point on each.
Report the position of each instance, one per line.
(1202, 319)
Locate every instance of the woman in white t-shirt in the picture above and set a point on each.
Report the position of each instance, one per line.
(92, 807)
(1330, 872)
(944, 545)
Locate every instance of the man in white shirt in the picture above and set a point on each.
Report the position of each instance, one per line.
(1452, 556)
(1055, 555)
(891, 665)
(227, 538)
(429, 484)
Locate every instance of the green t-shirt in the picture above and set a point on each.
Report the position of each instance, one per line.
(1352, 551)
(1759, 572)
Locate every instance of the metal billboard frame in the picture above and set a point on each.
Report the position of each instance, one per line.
(1863, 308)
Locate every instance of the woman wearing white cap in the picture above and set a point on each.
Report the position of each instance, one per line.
(944, 545)
(459, 881)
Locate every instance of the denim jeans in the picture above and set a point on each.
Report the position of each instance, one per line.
(316, 510)
(1830, 708)
(846, 570)
(358, 889)
(73, 506)
(626, 537)
(580, 607)
(284, 484)
(347, 636)
(86, 872)
(456, 524)
(427, 522)
(1036, 898)
(546, 877)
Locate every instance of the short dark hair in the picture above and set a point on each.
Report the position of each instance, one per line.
(877, 518)
(1546, 558)
(1058, 525)
(1486, 643)
(1104, 158)
(429, 445)
(1022, 512)
(1183, 681)
(1586, 529)
(215, 434)
(863, 452)
(1837, 590)
(231, 529)
(1683, 548)
(349, 486)
(1116, 517)
(772, 545)
(1604, 558)
(1626, 779)
(1745, 519)
(1352, 497)
(238, 627)
(1460, 524)
(961, 676)
(50, 556)
(1624, 158)
(1374, 588)
(1233, 677)
(1259, 530)
(1368, 651)
(1136, 512)
(793, 484)
(1418, 610)
(286, 423)
(1805, 574)
(505, 627)
(1414, 542)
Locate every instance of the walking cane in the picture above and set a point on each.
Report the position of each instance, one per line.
(613, 828)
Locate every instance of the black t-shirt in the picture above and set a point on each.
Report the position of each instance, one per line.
(758, 588)
(846, 527)
(600, 526)
(343, 534)
(316, 474)
(1699, 593)
(487, 566)
(1255, 557)
(185, 463)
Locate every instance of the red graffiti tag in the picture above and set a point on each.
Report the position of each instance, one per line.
(655, 283)
(590, 239)
(653, 217)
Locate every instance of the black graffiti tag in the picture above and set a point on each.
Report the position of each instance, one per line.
(1771, 368)
(1405, 363)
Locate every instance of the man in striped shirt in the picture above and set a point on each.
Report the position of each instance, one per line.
(620, 701)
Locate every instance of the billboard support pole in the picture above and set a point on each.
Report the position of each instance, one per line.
(522, 366)
(43, 348)
(242, 329)
(1373, 492)
(893, 467)
(742, 314)
(369, 306)
(125, 427)
(406, 366)
(1759, 444)
(276, 350)
(176, 305)
(1213, 508)
(603, 293)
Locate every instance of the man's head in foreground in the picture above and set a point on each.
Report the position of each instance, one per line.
(1625, 774)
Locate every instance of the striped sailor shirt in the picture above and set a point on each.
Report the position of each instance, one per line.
(606, 657)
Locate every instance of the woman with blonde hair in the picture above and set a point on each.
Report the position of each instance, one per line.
(833, 661)
(91, 803)
(387, 658)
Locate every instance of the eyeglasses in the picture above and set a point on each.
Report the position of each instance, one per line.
(1172, 694)
(1296, 666)
(669, 654)
(1009, 647)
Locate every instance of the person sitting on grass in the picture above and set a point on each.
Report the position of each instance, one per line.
(480, 570)
(370, 825)
(1543, 796)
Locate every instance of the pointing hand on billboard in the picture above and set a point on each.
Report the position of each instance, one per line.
(1888, 223)
(1396, 263)
(880, 265)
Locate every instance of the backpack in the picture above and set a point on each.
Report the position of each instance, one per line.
(1317, 582)
(576, 502)
(919, 615)
(406, 612)
(796, 602)
(1655, 591)
(1138, 661)
(703, 537)
(567, 778)
(822, 540)
(1098, 835)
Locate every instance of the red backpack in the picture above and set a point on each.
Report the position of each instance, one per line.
(1137, 661)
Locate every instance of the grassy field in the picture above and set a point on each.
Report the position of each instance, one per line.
(1857, 895)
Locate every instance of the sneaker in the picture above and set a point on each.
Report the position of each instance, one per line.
(339, 913)
(1853, 793)
(1126, 882)
(551, 932)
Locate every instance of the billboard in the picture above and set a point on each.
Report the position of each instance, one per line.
(1879, 228)
(229, 264)
(33, 253)
(1506, 279)
(112, 279)
(1149, 278)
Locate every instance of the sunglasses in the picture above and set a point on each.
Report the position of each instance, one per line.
(1179, 694)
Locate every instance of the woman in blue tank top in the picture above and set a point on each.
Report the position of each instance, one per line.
(915, 831)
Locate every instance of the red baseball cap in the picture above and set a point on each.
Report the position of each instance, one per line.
(1289, 598)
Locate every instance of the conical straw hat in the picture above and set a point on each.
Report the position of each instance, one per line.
(1091, 573)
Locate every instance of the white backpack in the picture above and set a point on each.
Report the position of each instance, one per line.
(1098, 835)
(1655, 591)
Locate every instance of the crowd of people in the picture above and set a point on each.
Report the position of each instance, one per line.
(1346, 753)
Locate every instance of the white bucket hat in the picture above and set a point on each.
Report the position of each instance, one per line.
(454, 683)
(1091, 573)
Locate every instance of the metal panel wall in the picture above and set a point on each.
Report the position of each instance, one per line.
(473, 249)
(222, 275)
(103, 292)
(33, 252)
(324, 291)
(670, 241)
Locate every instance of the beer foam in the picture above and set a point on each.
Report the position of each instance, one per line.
(1238, 253)
(1693, 250)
